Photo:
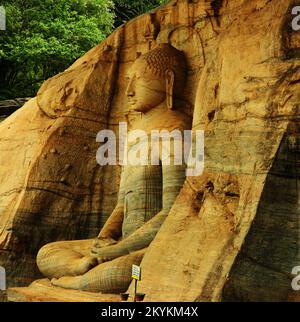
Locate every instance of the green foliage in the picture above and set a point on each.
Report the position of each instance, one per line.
(128, 9)
(44, 37)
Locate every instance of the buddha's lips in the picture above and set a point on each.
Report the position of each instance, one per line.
(131, 103)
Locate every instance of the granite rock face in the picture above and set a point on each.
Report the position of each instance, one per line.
(51, 185)
(233, 233)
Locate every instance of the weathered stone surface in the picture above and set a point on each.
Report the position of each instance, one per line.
(227, 236)
(43, 291)
(246, 100)
(39, 149)
(271, 248)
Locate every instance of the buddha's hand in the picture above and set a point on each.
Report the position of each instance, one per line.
(106, 254)
(101, 242)
(102, 260)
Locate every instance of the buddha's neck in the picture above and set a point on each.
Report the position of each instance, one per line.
(154, 119)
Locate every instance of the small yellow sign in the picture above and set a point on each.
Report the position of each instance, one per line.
(136, 272)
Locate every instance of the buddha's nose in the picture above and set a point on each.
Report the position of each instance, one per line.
(130, 89)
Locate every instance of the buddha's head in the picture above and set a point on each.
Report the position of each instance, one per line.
(156, 77)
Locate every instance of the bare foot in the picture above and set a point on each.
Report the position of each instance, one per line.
(67, 282)
(84, 265)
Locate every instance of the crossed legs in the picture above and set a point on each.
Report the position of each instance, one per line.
(69, 265)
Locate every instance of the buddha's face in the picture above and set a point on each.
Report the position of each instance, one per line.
(145, 90)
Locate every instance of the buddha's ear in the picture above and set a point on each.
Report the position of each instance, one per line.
(170, 79)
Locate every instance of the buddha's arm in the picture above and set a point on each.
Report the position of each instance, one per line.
(173, 179)
(113, 226)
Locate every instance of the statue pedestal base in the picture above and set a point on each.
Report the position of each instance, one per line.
(43, 291)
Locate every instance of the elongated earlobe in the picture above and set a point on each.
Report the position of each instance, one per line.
(170, 79)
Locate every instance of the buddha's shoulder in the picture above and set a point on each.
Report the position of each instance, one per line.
(176, 120)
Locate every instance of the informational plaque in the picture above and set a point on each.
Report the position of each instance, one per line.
(136, 272)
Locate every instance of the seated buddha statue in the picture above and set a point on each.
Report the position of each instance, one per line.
(146, 194)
